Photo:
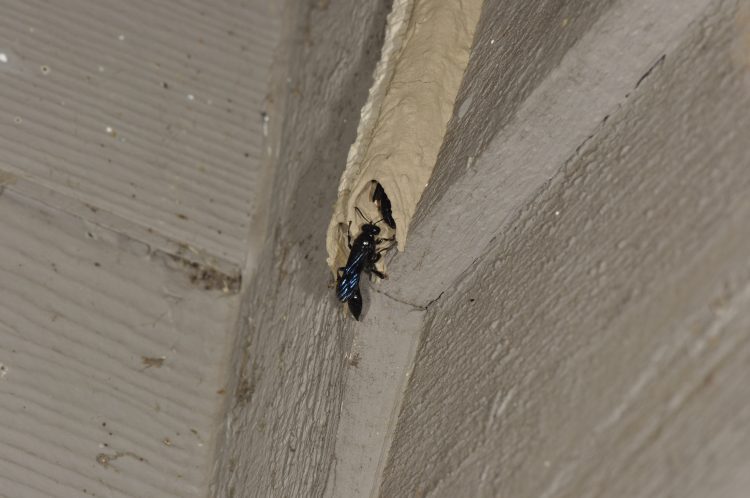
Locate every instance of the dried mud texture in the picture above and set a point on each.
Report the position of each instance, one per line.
(405, 119)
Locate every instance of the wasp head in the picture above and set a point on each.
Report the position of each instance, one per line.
(370, 229)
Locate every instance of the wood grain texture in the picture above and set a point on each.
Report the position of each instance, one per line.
(148, 111)
(289, 365)
(599, 347)
(132, 156)
(112, 361)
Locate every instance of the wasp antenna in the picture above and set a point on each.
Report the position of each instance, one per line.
(362, 215)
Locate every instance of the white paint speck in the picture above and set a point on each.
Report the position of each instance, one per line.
(191, 96)
(492, 42)
(557, 213)
(121, 37)
(3, 57)
(464, 107)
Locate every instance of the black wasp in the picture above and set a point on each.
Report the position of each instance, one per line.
(363, 255)
(384, 203)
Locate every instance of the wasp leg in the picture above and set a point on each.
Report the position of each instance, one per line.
(378, 273)
(386, 249)
(374, 271)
